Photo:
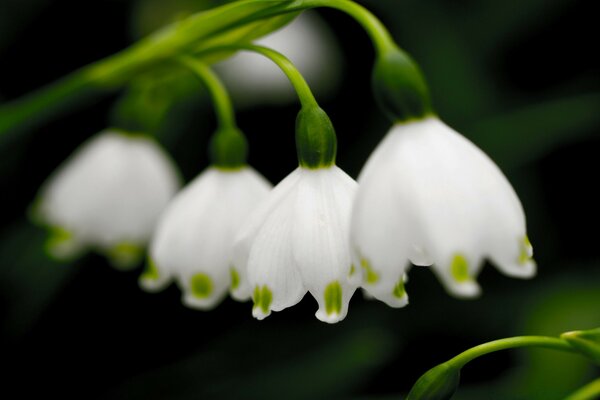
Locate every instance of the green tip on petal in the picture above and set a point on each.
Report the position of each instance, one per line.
(333, 298)
(151, 271)
(61, 244)
(460, 269)
(352, 270)
(125, 256)
(526, 251)
(371, 276)
(235, 278)
(262, 298)
(201, 285)
(399, 291)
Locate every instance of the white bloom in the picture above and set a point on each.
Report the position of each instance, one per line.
(307, 42)
(297, 241)
(429, 196)
(107, 197)
(193, 240)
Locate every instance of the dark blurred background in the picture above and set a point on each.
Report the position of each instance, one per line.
(519, 78)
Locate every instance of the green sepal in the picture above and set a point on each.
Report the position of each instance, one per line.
(316, 142)
(228, 148)
(439, 383)
(399, 87)
(585, 342)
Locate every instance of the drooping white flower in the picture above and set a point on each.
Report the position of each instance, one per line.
(297, 241)
(193, 240)
(307, 42)
(429, 196)
(107, 197)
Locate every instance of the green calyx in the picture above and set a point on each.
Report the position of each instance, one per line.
(228, 149)
(316, 142)
(399, 86)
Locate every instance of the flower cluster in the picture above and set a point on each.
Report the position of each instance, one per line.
(427, 196)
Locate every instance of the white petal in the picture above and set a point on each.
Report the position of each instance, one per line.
(110, 193)
(271, 269)
(193, 241)
(248, 231)
(319, 236)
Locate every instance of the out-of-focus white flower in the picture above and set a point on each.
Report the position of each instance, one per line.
(297, 241)
(193, 240)
(429, 196)
(307, 42)
(107, 197)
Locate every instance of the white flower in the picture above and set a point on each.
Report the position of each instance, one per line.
(297, 241)
(429, 196)
(307, 42)
(193, 240)
(107, 197)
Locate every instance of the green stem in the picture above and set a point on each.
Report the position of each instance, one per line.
(520, 341)
(378, 33)
(221, 100)
(590, 391)
(305, 95)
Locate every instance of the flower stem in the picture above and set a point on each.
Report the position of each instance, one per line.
(590, 391)
(510, 343)
(378, 33)
(218, 93)
(305, 95)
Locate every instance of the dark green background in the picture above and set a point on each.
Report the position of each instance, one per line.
(519, 78)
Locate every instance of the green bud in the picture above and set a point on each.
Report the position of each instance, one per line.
(316, 142)
(228, 148)
(586, 342)
(439, 383)
(400, 87)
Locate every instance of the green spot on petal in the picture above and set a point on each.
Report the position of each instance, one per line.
(352, 270)
(151, 272)
(524, 255)
(235, 278)
(125, 255)
(201, 285)
(333, 298)
(371, 276)
(460, 269)
(399, 291)
(262, 298)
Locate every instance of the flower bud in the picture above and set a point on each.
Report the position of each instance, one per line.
(439, 383)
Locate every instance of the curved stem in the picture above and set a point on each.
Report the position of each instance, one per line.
(218, 93)
(305, 95)
(380, 36)
(590, 391)
(510, 343)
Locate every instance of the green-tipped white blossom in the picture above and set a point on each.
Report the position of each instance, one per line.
(429, 196)
(107, 197)
(192, 243)
(297, 241)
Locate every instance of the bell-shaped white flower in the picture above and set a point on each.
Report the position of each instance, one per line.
(307, 42)
(297, 241)
(193, 240)
(429, 196)
(107, 197)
